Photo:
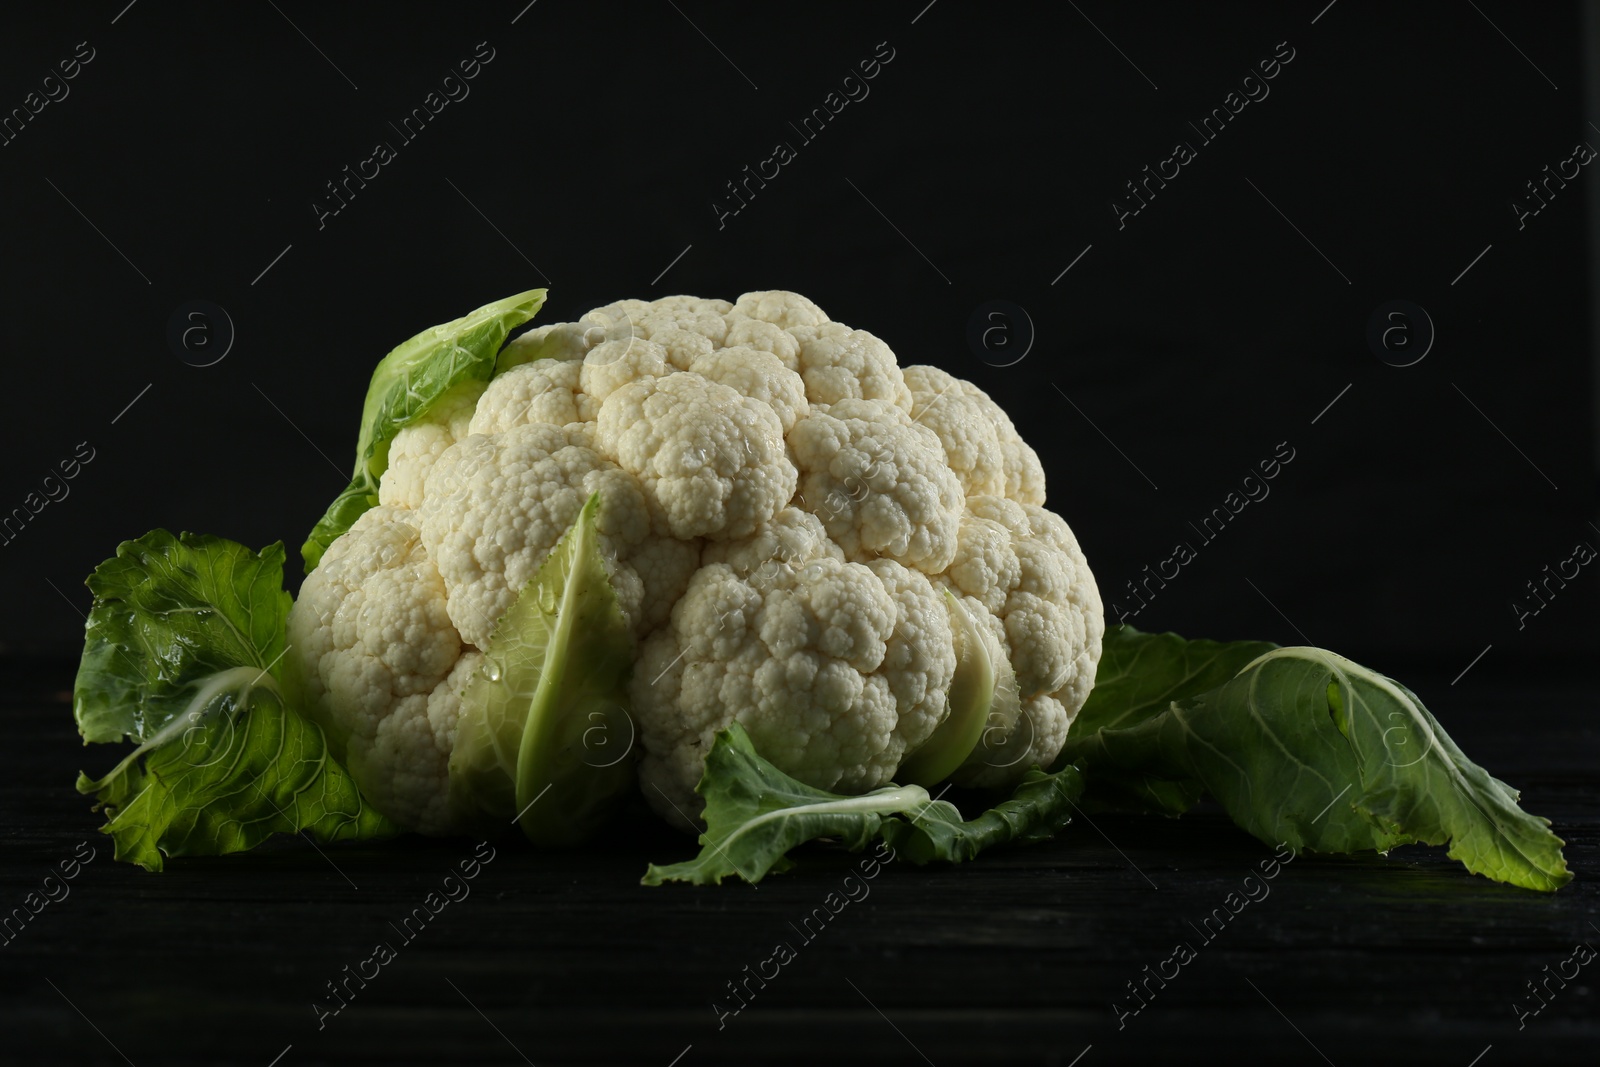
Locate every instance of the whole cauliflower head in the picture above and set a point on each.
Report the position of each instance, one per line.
(788, 518)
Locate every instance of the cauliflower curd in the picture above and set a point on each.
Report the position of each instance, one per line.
(789, 520)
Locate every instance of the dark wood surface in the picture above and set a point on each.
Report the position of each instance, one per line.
(1018, 958)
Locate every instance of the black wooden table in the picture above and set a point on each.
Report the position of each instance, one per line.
(1023, 957)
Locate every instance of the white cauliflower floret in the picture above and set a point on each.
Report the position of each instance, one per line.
(711, 462)
(979, 438)
(375, 649)
(414, 449)
(835, 669)
(764, 337)
(560, 341)
(1024, 472)
(548, 391)
(613, 364)
(949, 407)
(664, 566)
(781, 308)
(985, 566)
(759, 376)
(793, 536)
(682, 347)
(880, 483)
(838, 363)
(1023, 565)
(683, 326)
(496, 505)
(618, 319)
(920, 658)
(689, 314)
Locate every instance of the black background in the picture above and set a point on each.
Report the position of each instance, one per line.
(1221, 320)
(595, 143)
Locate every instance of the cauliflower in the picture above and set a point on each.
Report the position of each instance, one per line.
(801, 536)
(378, 652)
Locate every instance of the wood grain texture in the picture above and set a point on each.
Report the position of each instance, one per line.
(565, 958)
